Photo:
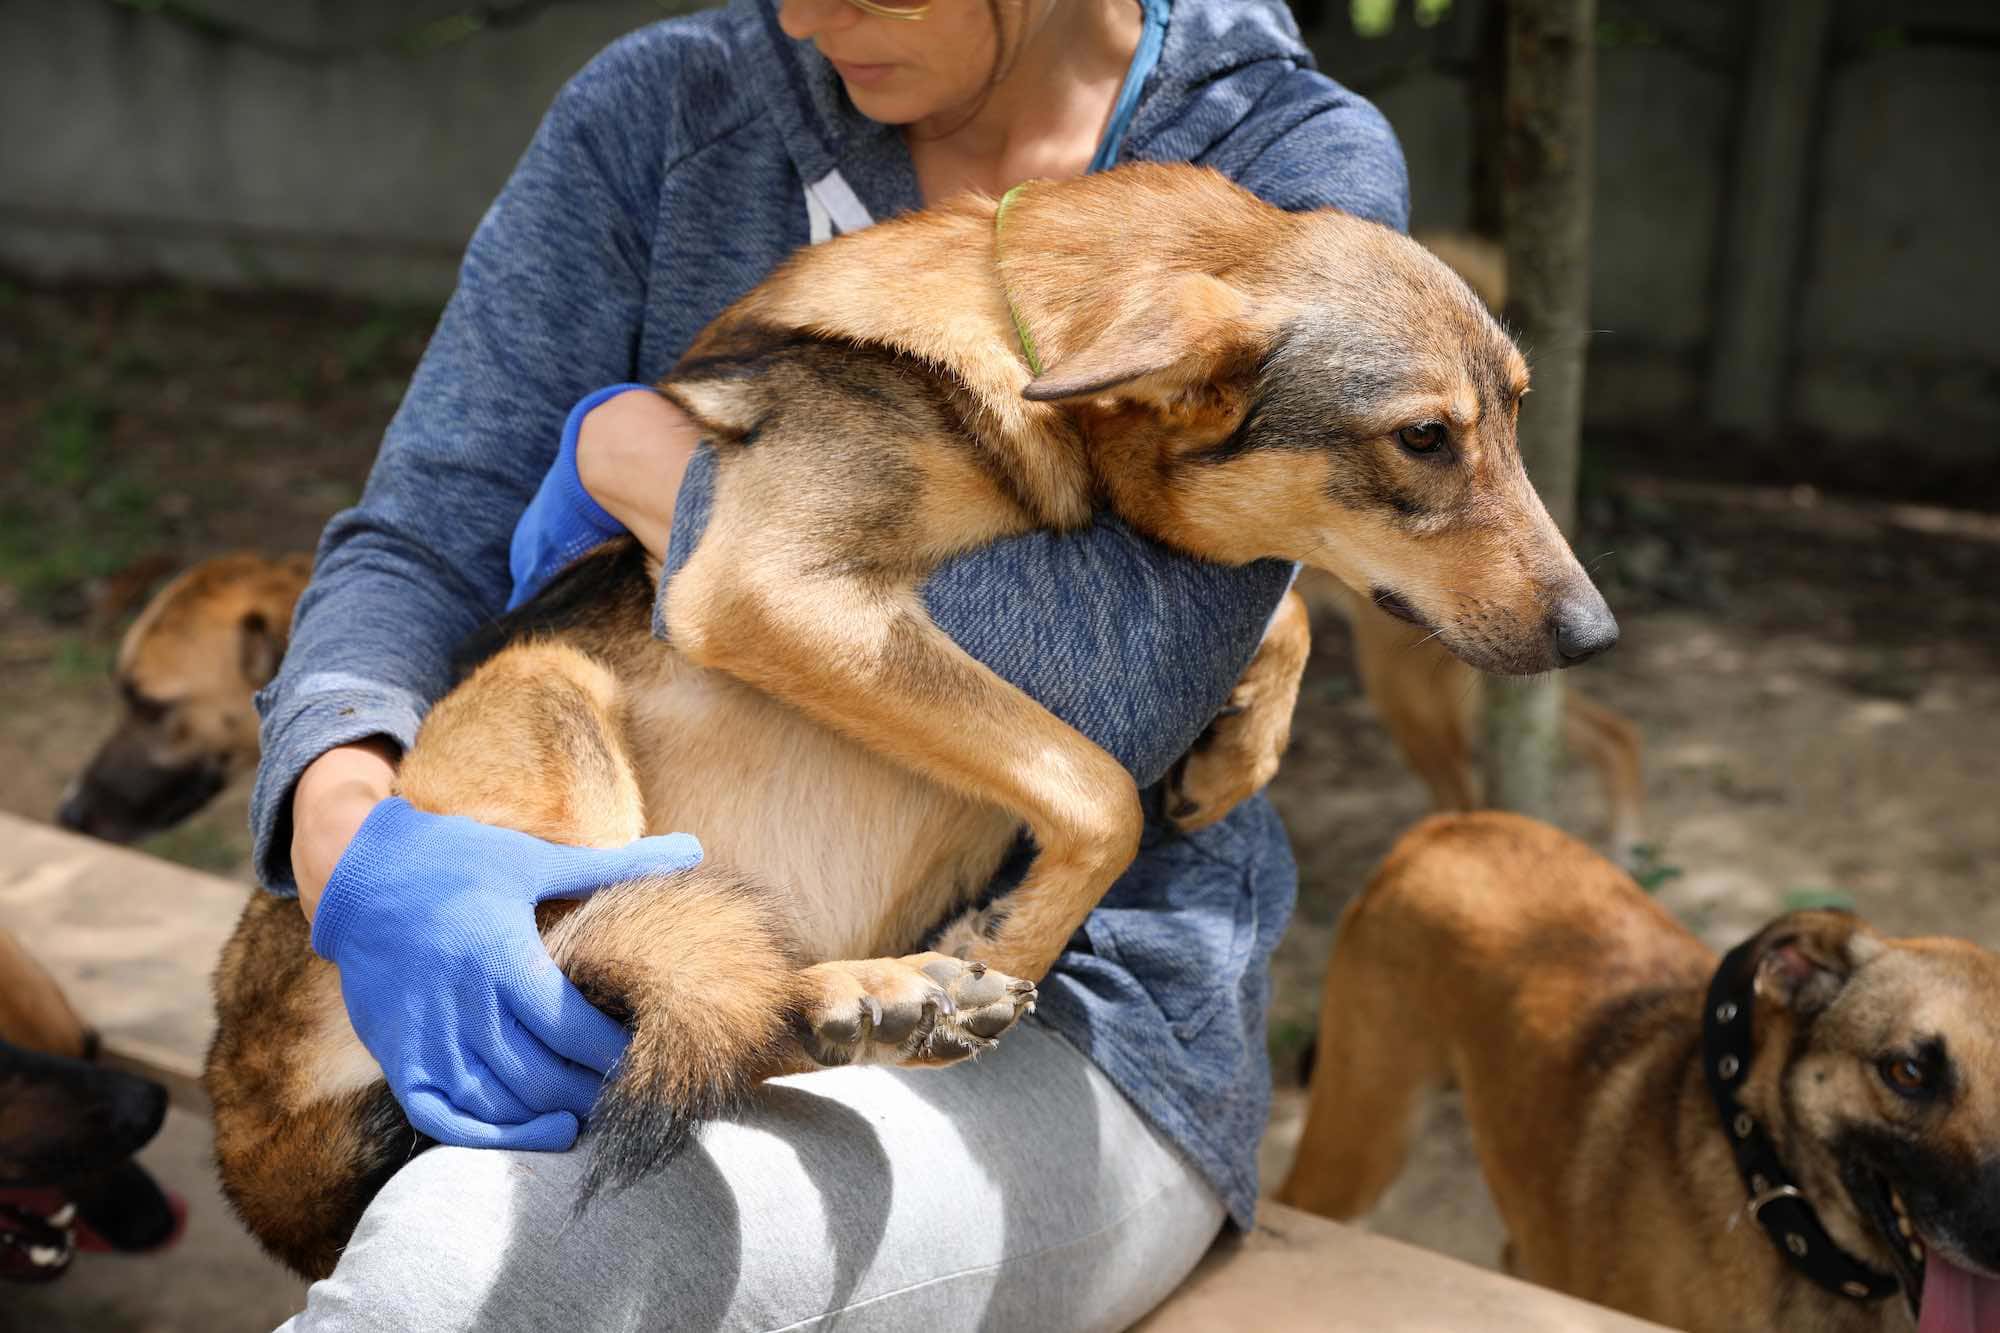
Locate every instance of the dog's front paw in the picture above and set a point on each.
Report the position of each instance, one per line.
(1233, 761)
(926, 1009)
(1238, 754)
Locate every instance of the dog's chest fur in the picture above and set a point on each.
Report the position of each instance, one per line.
(870, 856)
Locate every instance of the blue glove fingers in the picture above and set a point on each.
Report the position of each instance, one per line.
(547, 1005)
(578, 871)
(433, 1115)
(538, 1078)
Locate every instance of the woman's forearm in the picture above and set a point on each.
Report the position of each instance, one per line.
(631, 453)
(333, 797)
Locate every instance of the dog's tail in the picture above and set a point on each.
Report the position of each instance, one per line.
(700, 965)
(702, 970)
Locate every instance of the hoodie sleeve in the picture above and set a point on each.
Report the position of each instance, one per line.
(548, 300)
(1310, 143)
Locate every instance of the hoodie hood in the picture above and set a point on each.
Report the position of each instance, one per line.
(1217, 59)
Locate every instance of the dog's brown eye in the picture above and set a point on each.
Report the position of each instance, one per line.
(1905, 1076)
(1424, 439)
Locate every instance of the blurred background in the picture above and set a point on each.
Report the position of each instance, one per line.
(226, 227)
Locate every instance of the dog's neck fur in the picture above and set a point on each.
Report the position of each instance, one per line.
(1718, 1206)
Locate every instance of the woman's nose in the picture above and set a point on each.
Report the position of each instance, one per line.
(803, 20)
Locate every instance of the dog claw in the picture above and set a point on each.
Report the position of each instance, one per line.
(930, 1009)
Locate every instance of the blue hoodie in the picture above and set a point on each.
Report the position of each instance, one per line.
(671, 175)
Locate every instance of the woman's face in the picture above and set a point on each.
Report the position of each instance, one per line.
(900, 72)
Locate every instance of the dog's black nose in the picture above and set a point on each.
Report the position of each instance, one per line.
(1583, 627)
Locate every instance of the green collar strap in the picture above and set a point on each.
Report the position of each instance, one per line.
(1020, 329)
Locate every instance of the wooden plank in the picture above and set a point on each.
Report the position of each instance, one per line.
(131, 939)
(1297, 1272)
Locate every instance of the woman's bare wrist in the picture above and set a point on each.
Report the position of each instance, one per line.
(631, 453)
(329, 805)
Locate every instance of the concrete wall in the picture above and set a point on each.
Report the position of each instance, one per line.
(346, 144)
(349, 144)
(1892, 270)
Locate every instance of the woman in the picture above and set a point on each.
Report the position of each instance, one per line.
(1072, 1177)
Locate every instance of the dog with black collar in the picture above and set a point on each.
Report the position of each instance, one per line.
(1803, 1135)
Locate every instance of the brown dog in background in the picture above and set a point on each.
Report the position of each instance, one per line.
(188, 672)
(1236, 381)
(1429, 702)
(1568, 1007)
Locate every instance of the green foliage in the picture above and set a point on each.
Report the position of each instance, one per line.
(79, 661)
(1650, 869)
(1811, 897)
(199, 846)
(1287, 1045)
(1377, 18)
(80, 514)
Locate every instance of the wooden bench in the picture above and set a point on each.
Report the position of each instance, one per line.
(130, 938)
(133, 940)
(1297, 1273)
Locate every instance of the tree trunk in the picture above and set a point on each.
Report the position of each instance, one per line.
(1547, 143)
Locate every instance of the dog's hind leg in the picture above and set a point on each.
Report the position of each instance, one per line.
(1612, 746)
(1378, 1052)
(700, 965)
(306, 1129)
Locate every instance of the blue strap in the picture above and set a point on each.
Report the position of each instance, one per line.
(1152, 36)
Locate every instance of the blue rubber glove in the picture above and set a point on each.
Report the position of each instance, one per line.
(431, 921)
(562, 521)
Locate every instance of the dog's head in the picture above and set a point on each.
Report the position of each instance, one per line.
(1877, 1069)
(188, 672)
(62, 1119)
(1310, 386)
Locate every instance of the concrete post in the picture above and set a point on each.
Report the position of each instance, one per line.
(1757, 286)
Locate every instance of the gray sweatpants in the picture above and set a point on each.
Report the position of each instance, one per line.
(1020, 1191)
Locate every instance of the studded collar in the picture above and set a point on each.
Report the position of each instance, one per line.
(1776, 1202)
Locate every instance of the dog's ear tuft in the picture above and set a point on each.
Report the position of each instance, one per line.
(1806, 958)
(259, 648)
(1157, 345)
(726, 406)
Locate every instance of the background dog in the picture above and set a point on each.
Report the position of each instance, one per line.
(1339, 398)
(68, 1130)
(188, 671)
(1569, 1007)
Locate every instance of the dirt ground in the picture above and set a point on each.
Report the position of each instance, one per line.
(1818, 681)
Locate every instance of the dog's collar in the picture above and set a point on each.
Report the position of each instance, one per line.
(1776, 1202)
(1028, 352)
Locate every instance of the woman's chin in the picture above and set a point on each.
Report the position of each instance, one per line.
(888, 104)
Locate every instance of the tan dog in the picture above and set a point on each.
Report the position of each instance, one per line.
(1429, 700)
(1236, 381)
(1860, 1071)
(188, 671)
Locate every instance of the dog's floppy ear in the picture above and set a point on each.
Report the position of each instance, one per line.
(1806, 958)
(260, 648)
(1157, 343)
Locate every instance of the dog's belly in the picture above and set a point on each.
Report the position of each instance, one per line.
(870, 855)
